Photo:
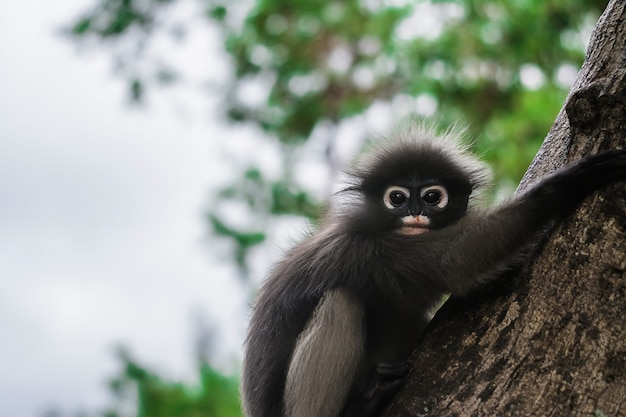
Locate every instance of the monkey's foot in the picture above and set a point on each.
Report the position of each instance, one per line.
(385, 382)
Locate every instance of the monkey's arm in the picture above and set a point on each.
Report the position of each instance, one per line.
(481, 241)
(327, 357)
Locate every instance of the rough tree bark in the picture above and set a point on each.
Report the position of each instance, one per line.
(549, 340)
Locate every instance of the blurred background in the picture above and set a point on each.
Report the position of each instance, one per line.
(156, 156)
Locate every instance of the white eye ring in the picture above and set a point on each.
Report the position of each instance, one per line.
(443, 195)
(393, 191)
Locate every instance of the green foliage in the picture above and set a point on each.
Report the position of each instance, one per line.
(265, 198)
(294, 42)
(498, 67)
(112, 18)
(145, 394)
(244, 240)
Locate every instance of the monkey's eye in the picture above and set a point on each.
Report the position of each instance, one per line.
(435, 195)
(396, 197)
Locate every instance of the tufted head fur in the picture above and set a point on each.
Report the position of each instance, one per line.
(413, 158)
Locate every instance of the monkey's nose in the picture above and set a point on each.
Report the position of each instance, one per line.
(415, 210)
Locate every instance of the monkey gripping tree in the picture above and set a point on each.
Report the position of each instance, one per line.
(554, 341)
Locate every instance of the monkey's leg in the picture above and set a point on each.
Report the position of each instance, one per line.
(327, 356)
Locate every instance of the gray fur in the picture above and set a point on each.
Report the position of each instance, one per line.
(327, 355)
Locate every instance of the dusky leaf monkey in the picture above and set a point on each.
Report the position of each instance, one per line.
(337, 318)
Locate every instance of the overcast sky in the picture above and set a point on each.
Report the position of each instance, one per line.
(101, 230)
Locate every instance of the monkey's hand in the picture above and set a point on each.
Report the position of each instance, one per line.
(383, 384)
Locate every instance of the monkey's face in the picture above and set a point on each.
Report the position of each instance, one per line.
(418, 206)
(412, 189)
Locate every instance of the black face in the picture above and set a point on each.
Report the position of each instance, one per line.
(413, 188)
(418, 206)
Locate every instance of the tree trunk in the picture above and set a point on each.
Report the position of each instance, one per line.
(549, 340)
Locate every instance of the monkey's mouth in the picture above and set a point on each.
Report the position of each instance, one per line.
(414, 225)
